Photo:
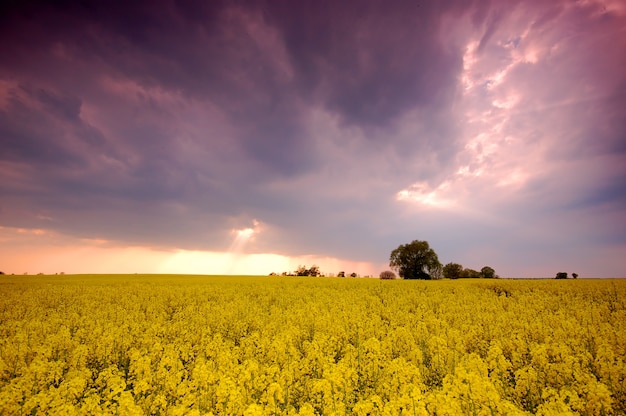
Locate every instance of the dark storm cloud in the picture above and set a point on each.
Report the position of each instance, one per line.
(36, 125)
(206, 53)
(369, 67)
(368, 63)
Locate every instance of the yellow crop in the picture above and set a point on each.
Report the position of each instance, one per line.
(194, 345)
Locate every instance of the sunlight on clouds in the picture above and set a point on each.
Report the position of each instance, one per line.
(34, 231)
(469, 61)
(482, 146)
(422, 193)
(491, 158)
(498, 77)
(243, 235)
(514, 178)
(507, 102)
(246, 233)
(531, 56)
(607, 6)
(236, 249)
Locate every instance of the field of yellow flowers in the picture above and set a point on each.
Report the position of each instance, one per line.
(198, 345)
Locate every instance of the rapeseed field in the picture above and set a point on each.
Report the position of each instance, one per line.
(218, 345)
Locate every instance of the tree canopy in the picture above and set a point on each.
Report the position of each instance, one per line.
(415, 260)
(488, 272)
(387, 275)
(452, 271)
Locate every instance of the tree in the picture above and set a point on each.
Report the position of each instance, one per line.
(561, 275)
(575, 275)
(488, 272)
(470, 274)
(387, 275)
(415, 260)
(452, 270)
(341, 274)
(303, 271)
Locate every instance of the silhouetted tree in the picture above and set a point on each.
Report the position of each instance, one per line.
(452, 270)
(575, 275)
(415, 260)
(341, 274)
(387, 275)
(561, 275)
(352, 274)
(303, 271)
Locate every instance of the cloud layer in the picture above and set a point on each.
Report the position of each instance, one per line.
(494, 131)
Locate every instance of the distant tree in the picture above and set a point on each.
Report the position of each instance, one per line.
(488, 272)
(575, 275)
(452, 270)
(470, 274)
(273, 274)
(341, 274)
(387, 275)
(415, 260)
(1, 272)
(303, 271)
(352, 274)
(561, 275)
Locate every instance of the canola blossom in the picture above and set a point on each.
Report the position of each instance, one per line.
(211, 345)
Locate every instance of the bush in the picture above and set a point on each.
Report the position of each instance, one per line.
(387, 275)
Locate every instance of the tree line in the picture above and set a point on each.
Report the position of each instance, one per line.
(417, 260)
(313, 271)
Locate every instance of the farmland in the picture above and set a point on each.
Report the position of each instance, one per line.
(196, 345)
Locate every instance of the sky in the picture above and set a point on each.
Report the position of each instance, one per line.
(249, 137)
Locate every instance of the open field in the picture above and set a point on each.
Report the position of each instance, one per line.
(174, 345)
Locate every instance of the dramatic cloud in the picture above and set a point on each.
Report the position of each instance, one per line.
(497, 132)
